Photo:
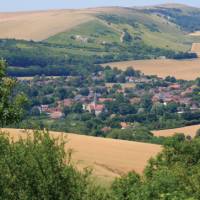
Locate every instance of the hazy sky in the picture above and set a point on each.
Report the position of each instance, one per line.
(17, 5)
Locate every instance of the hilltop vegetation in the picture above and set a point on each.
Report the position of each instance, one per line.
(179, 15)
(32, 58)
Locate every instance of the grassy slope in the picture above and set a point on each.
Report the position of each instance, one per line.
(60, 24)
(169, 35)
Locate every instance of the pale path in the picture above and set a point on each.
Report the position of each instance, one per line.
(110, 158)
(181, 69)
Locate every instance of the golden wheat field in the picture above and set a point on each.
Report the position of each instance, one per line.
(197, 33)
(196, 48)
(181, 69)
(109, 158)
(188, 130)
(40, 25)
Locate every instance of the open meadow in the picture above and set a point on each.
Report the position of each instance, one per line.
(181, 69)
(109, 158)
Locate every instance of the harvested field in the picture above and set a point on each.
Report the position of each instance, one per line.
(196, 48)
(181, 69)
(197, 33)
(123, 85)
(40, 25)
(29, 78)
(108, 157)
(188, 130)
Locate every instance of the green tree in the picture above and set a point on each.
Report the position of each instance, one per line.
(10, 104)
(173, 175)
(38, 167)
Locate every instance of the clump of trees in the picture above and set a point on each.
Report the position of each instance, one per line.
(10, 103)
(39, 168)
(173, 174)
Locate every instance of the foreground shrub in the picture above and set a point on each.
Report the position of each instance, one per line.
(173, 175)
(38, 168)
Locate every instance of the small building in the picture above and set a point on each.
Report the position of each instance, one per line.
(56, 115)
(96, 108)
(44, 108)
(124, 125)
(106, 129)
(103, 100)
(65, 103)
(135, 100)
(175, 86)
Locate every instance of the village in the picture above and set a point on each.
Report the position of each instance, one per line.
(94, 99)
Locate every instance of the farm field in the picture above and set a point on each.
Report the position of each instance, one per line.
(28, 78)
(39, 25)
(109, 158)
(197, 33)
(181, 69)
(188, 130)
(196, 48)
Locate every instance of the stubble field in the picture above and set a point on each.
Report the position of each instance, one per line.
(108, 158)
(181, 69)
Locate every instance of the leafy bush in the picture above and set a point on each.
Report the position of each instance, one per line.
(39, 168)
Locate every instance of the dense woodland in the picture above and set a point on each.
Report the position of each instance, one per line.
(41, 58)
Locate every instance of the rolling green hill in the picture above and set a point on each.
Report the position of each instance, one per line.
(152, 26)
(105, 35)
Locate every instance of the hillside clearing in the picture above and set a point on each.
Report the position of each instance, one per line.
(181, 69)
(108, 157)
(188, 130)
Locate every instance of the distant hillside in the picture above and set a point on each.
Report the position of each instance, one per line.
(97, 35)
(185, 17)
(163, 26)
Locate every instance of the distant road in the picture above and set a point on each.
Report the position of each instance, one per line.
(181, 69)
